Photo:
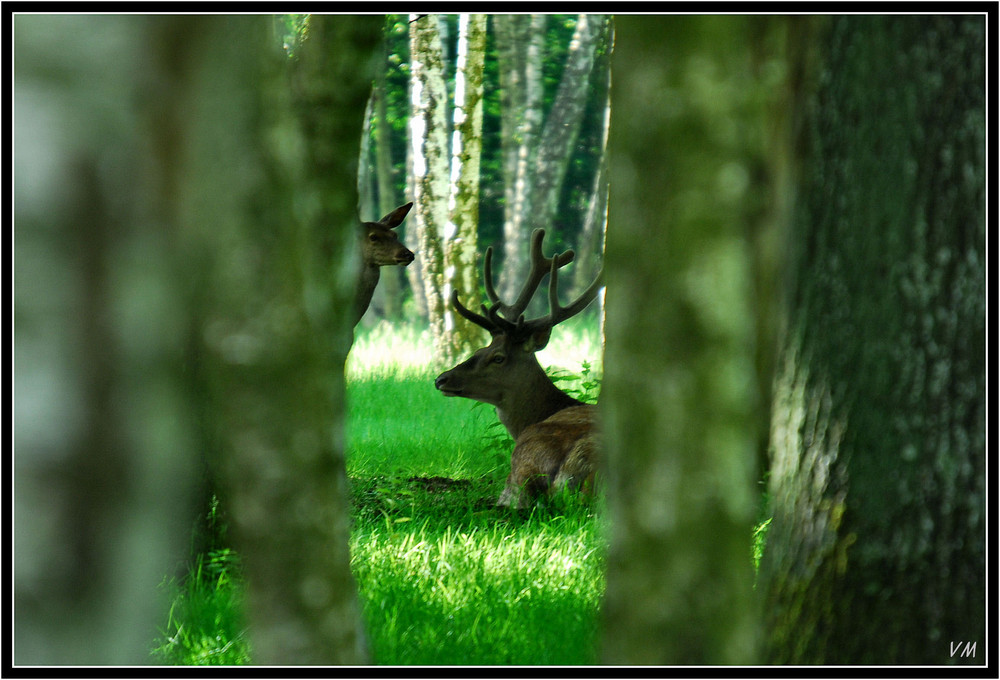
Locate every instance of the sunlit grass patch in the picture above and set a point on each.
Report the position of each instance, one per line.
(404, 426)
(514, 592)
(397, 350)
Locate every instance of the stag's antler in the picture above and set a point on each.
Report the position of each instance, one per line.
(512, 319)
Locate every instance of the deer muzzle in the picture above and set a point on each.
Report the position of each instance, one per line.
(449, 390)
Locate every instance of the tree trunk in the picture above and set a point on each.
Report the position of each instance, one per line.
(390, 290)
(429, 151)
(678, 399)
(590, 244)
(104, 424)
(277, 289)
(876, 552)
(460, 243)
(528, 38)
(562, 124)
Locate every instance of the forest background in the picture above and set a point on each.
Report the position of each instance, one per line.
(796, 264)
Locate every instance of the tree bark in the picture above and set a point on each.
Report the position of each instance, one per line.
(562, 123)
(678, 394)
(876, 552)
(461, 255)
(429, 153)
(523, 67)
(590, 244)
(273, 303)
(391, 289)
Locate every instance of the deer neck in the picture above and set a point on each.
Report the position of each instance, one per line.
(367, 280)
(539, 399)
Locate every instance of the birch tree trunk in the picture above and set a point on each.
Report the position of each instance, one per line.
(877, 549)
(460, 242)
(429, 153)
(590, 245)
(562, 124)
(527, 36)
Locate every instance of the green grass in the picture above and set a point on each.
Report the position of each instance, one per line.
(205, 625)
(444, 577)
(447, 578)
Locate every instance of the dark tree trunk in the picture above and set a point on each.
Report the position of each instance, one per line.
(876, 552)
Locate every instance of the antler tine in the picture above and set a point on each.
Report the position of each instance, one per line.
(539, 267)
(558, 313)
(479, 320)
(491, 292)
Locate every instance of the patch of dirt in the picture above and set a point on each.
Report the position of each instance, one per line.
(438, 484)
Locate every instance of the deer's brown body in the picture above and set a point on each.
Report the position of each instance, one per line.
(560, 452)
(380, 247)
(556, 435)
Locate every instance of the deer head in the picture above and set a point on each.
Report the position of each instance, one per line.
(506, 373)
(555, 433)
(380, 247)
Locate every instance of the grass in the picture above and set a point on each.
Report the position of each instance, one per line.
(205, 625)
(444, 577)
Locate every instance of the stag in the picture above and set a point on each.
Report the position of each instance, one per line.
(556, 442)
(380, 247)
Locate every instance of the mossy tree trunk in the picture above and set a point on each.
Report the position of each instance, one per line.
(461, 252)
(428, 151)
(876, 552)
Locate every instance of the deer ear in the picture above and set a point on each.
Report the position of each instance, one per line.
(395, 218)
(537, 340)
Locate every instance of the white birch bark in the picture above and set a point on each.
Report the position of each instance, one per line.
(460, 247)
(429, 152)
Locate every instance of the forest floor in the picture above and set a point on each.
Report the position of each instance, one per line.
(444, 577)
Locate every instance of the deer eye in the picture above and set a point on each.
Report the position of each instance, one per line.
(498, 358)
(373, 238)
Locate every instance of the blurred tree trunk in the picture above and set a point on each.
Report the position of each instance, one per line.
(278, 353)
(428, 135)
(461, 255)
(520, 46)
(679, 399)
(876, 553)
(104, 429)
(188, 305)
